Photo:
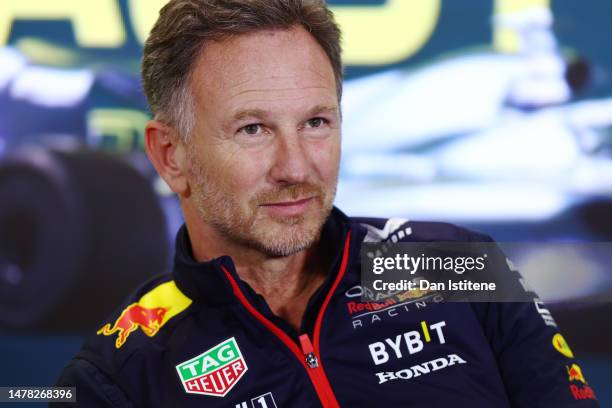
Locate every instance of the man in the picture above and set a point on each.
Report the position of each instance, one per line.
(260, 309)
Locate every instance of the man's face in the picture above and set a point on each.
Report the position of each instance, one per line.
(265, 151)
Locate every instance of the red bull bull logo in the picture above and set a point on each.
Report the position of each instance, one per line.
(150, 320)
(575, 373)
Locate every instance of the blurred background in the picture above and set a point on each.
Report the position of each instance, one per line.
(492, 114)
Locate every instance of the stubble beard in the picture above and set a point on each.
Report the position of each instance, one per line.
(251, 226)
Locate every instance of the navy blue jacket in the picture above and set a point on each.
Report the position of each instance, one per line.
(203, 337)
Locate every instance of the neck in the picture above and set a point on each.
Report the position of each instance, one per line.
(286, 283)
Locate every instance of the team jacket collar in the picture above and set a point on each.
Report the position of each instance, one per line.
(205, 282)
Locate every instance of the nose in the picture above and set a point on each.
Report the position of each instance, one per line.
(291, 161)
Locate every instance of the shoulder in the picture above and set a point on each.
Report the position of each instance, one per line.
(134, 336)
(145, 321)
(404, 230)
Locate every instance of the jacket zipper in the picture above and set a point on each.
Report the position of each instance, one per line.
(308, 354)
(318, 376)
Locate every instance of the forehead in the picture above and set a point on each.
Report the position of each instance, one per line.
(283, 62)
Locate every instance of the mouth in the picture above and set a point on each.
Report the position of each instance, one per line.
(289, 208)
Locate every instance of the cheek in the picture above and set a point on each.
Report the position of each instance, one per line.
(325, 155)
(246, 173)
(232, 170)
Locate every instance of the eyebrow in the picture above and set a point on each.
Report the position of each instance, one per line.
(260, 113)
(324, 109)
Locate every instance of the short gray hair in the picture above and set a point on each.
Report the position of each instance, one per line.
(184, 27)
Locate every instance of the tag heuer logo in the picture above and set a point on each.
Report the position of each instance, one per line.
(215, 371)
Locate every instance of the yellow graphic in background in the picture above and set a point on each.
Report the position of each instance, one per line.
(144, 13)
(372, 35)
(505, 37)
(123, 126)
(95, 24)
(379, 35)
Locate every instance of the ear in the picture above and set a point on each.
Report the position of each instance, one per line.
(167, 154)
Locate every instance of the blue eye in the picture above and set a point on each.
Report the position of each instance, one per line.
(252, 129)
(315, 122)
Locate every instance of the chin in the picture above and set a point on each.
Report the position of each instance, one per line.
(288, 237)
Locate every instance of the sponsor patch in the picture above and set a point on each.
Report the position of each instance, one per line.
(574, 373)
(263, 401)
(408, 343)
(561, 345)
(579, 391)
(149, 314)
(396, 299)
(214, 372)
(135, 316)
(420, 369)
(544, 313)
(582, 392)
(387, 306)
